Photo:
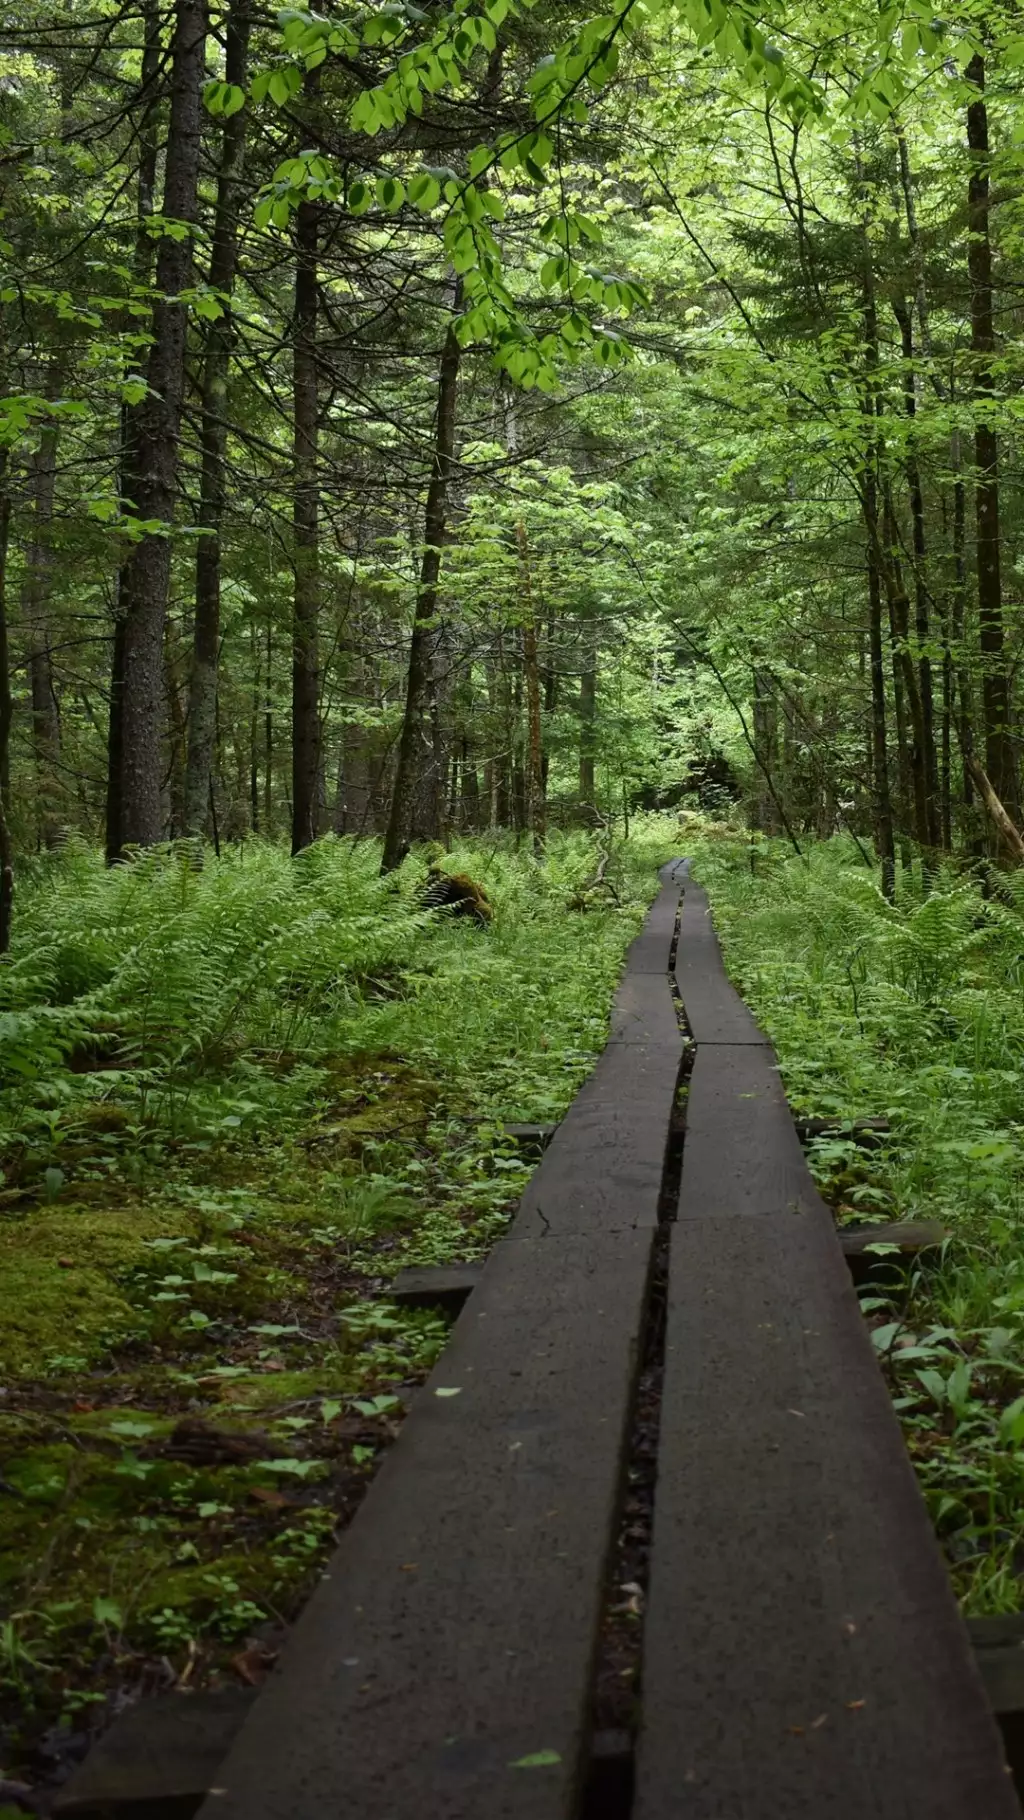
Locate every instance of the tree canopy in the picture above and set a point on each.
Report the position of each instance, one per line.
(420, 420)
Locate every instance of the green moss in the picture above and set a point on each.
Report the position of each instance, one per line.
(61, 1271)
(272, 1390)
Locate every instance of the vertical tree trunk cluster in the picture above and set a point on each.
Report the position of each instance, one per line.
(202, 698)
(137, 752)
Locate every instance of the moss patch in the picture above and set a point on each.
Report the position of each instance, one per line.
(61, 1271)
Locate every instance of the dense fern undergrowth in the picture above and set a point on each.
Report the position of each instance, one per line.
(233, 1102)
(912, 1011)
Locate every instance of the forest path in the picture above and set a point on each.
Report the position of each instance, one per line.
(800, 1653)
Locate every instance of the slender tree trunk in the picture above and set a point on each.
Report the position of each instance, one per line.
(999, 760)
(588, 715)
(305, 622)
(156, 453)
(879, 750)
(929, 757)
(149, 96)
(6, 716)
(869, 505)
(1005, 827)
(958, 614)
(268, 735)
(202, 693)
(470, 794)
(899, 607)
(254, 729)
(414, 739)
(36, 591)
(534, 767)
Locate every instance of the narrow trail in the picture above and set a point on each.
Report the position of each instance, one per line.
(671, 1309)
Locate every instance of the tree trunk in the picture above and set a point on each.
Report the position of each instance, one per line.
(202, 692)
(415, 739)
(899, 607)
(879, 752)
(6, 716)
(996, 810)
(869, 504)
(929, 757)
(305, 621)
(588, 714)
(254, 729)
(35, 600)
(534, 766)
(470, 793)
(268, 734)
(999, 760)
(958, 614)
(157, 422)
(149, 95)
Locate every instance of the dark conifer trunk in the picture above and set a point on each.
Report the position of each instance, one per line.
(202, 694)
(6, 716)
(142, 264)
(415, 745)
(305, 505)
(155, 457)
(35, 605)
(999, 760)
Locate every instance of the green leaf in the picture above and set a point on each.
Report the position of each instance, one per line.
(538, 1759)
(449, 1391)
(390, 193)
(107, 1611)
(425, 192)
(299, 1469)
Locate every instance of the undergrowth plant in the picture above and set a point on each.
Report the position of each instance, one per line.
(913, 1011)
(233, 1103)
(204, 1002)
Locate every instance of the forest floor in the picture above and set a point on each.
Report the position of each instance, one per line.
(232, 1105)
(911, 1012)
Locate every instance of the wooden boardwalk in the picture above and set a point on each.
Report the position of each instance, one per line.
(802, 1652)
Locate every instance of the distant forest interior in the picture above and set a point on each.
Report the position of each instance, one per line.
(420, 422)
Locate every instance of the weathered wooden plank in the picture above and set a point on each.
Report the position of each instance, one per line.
(644, 1011)
(651, 950)
(445, 1286)
(531, 1138)
(714, 1010)
(602, 1172)
(998, 1644)
(867, 1134)
(905, 1239)
(803, 1657)
(742, 1154)
(159, 1759)
(454, 1634)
